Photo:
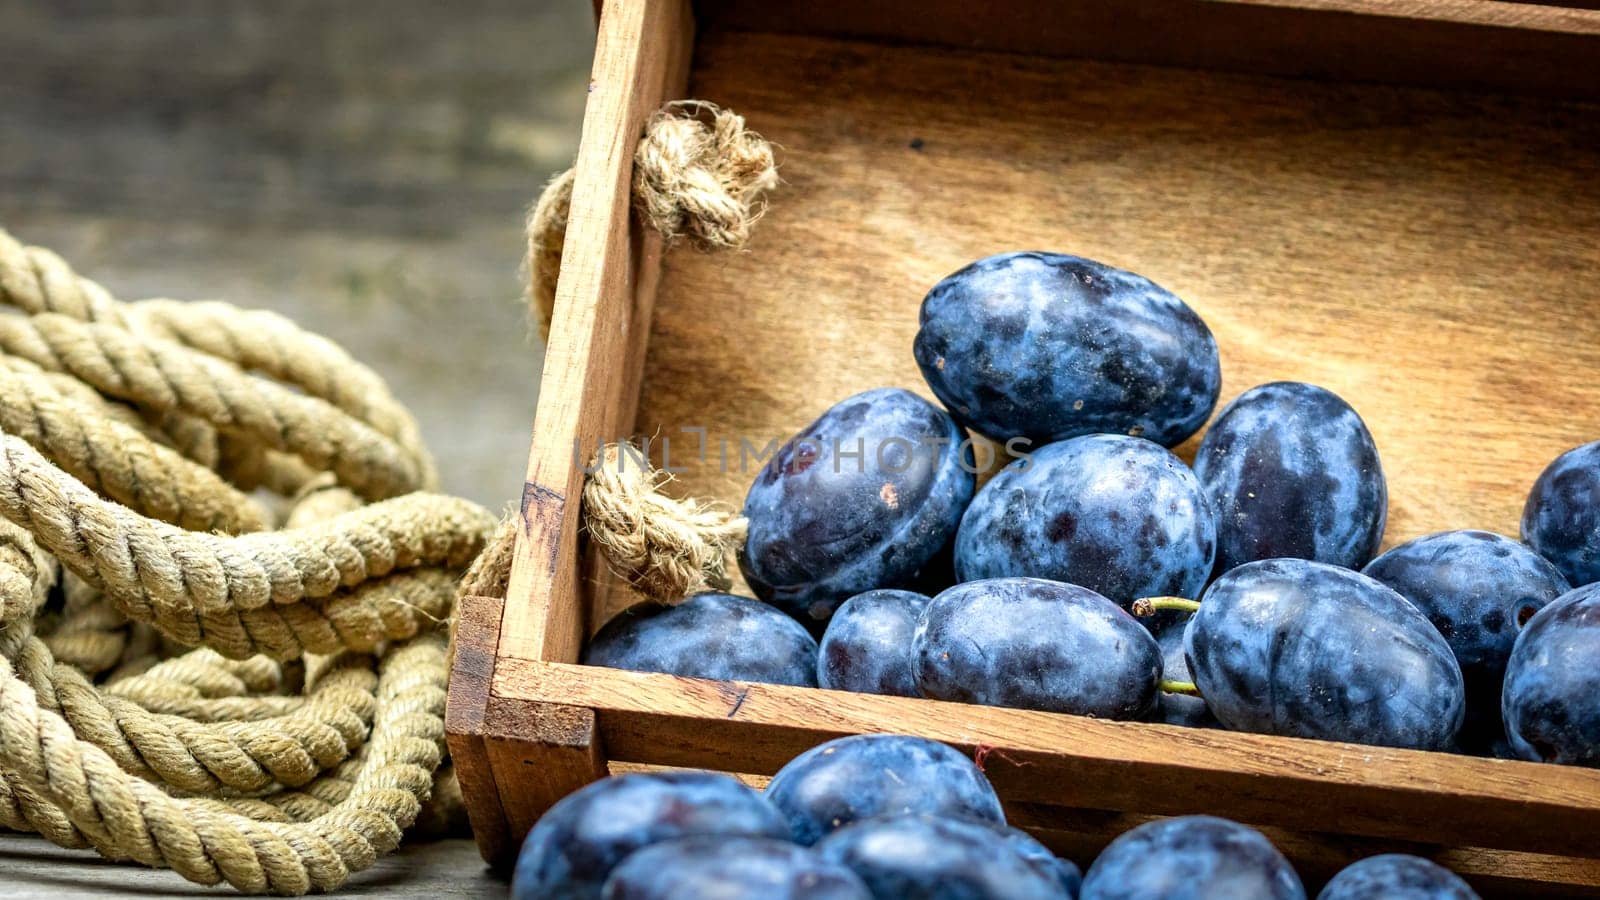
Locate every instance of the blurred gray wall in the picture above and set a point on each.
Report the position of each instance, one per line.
(362, 167)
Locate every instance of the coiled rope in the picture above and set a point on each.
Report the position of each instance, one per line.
(269, 709)
(223, 579)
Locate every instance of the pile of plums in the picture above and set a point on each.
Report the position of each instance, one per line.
(889, 817)
(1097, 574)
(868, 527)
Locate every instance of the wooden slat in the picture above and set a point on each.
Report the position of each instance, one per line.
(537, 752)
(1551, 17)
(1089, 763)
(540, 752)
(471, 672)
(1478, 44)
(597, 338)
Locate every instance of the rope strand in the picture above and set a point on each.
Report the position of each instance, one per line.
(265, 707)
(294, 746)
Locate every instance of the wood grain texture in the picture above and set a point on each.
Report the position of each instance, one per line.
(1048, 759)
(1480, 44)
(537, 753)
(419, 870)
(473, 648)
(540, 751)
(1565, 17)
(598, 333)
(1429, 256)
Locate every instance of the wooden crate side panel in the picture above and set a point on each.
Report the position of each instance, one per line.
(1477, 44)
(471, 673)
(1090, 763)
(523, 757)
(603, 301)
(540, 752)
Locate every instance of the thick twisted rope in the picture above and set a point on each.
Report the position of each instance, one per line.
(665, 548)
(35, 280)
(207, 843)
(698, 173)
(305, 732)
(117, 459)
(200, 756)
(164, 377)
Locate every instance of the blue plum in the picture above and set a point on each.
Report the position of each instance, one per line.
(573, 848)
(868, 775)
(1191, 858)
(1478, 589)
(867, 647)
(1174, 708)
(1118, 515)
(922, 857)
(1289, 646)
(1292, 471)
(1036, 644)
(1562, 517)
(734, 868)
(1551, 702)
(1047, 347)
(1070, 876)
(1065, 871)
(1396, 876)
(868, 496)
(721, 636)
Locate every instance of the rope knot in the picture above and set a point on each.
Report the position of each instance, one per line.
(699, 171)
(666, 548)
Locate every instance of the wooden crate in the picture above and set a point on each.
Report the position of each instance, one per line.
(1397, 200)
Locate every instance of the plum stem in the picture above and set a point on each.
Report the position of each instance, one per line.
(1144, 607)
(1187, 688)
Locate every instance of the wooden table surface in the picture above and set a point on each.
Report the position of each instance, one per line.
(35, 870)
(361, 167)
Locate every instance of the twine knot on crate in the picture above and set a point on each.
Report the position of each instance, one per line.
(665, 548)
(179, 685)
(697, 172)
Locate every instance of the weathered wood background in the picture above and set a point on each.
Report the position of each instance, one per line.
(362, 167)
